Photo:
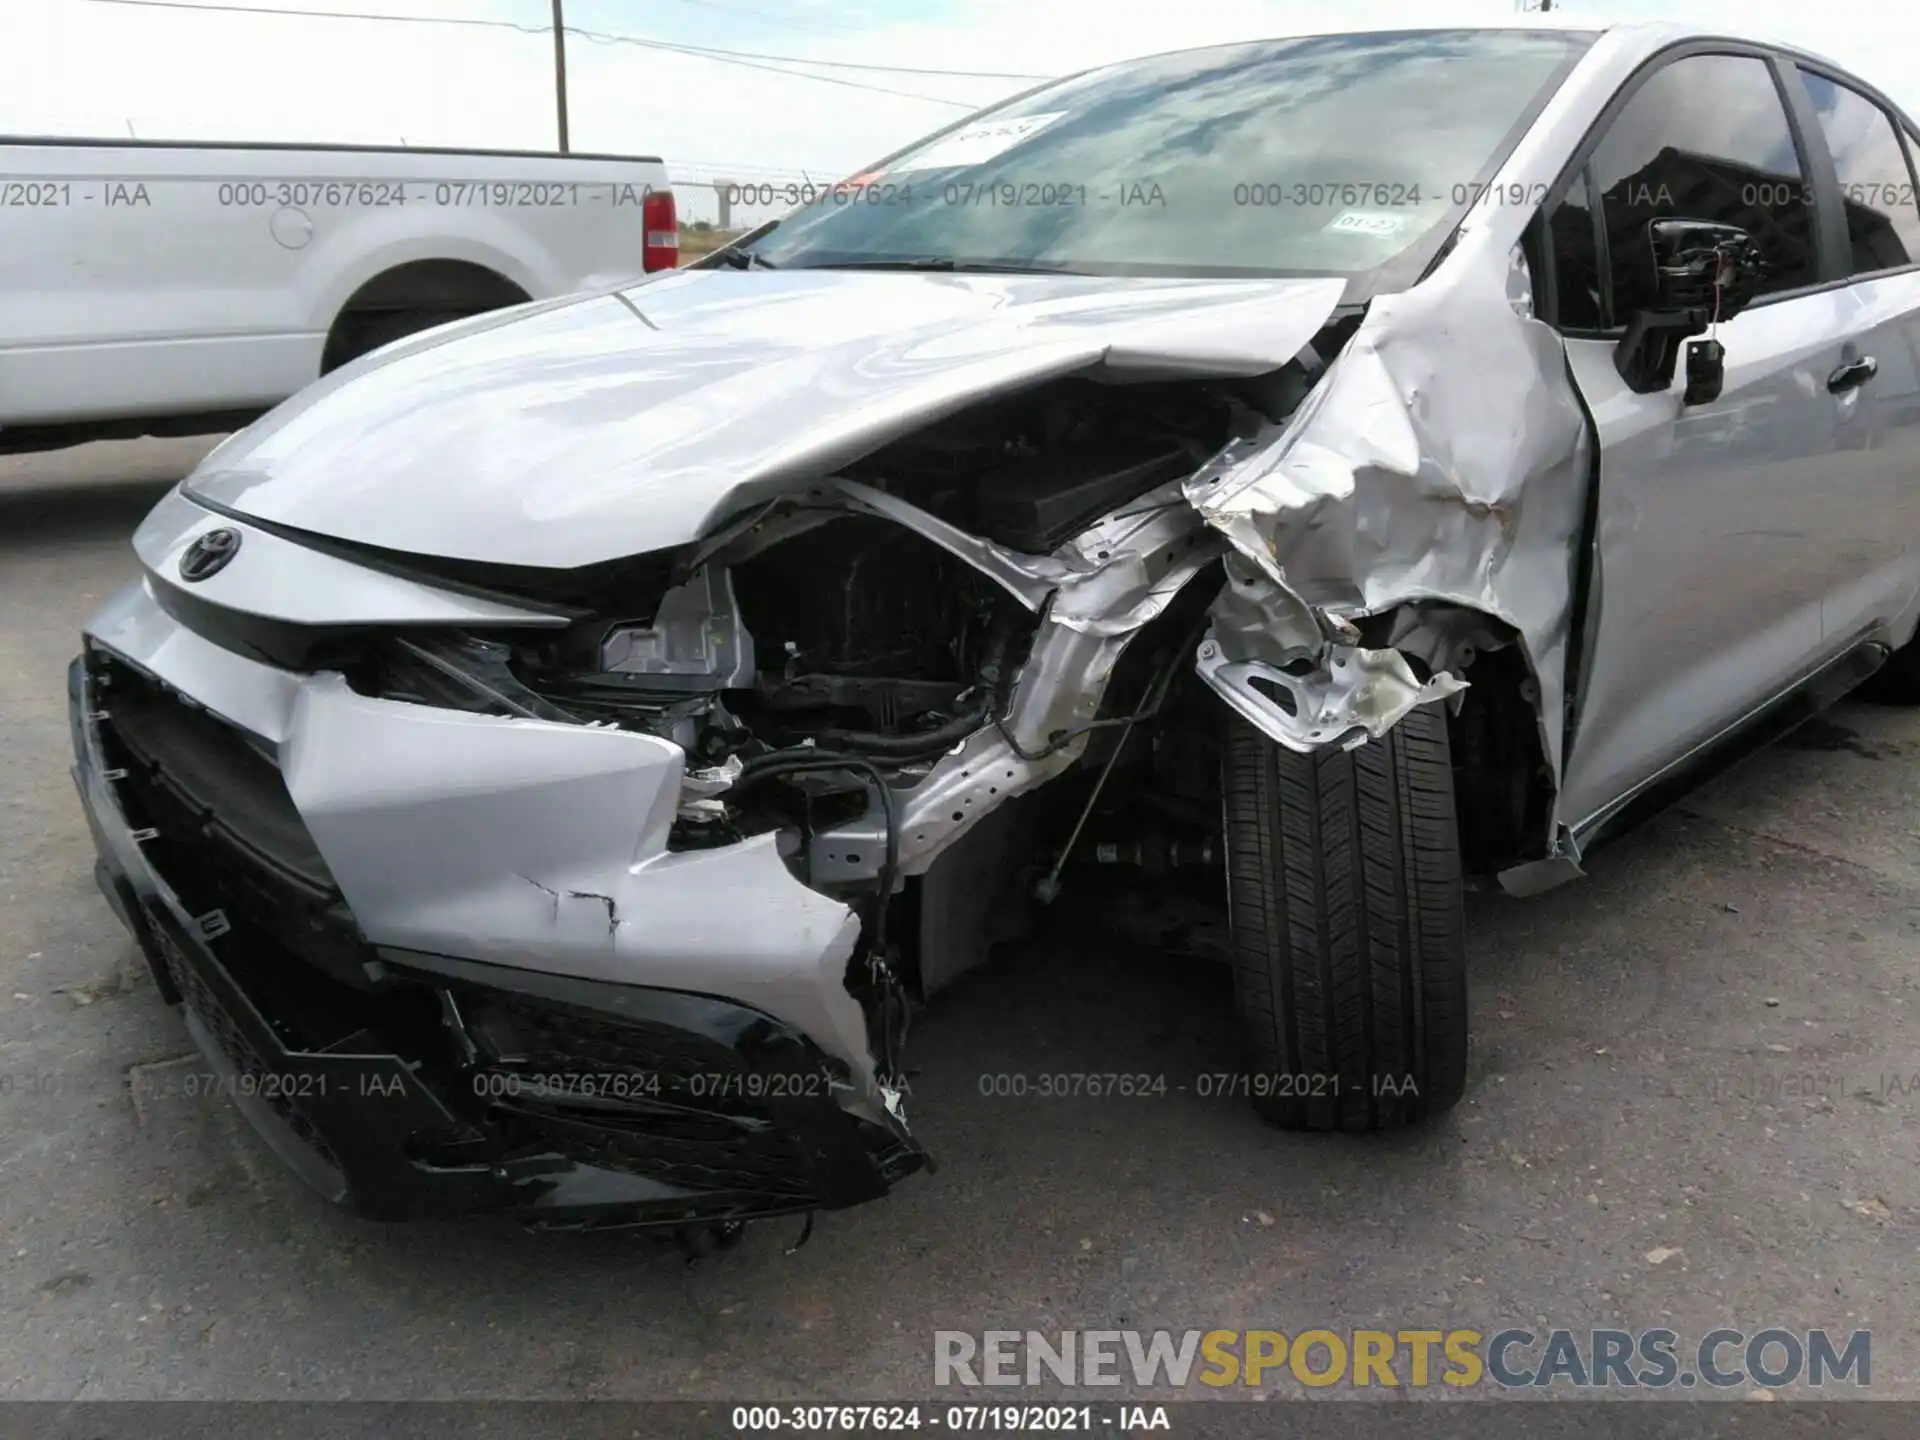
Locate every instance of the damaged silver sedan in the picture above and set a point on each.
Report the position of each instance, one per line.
(553, 756)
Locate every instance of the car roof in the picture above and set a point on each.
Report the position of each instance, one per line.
(1629, 40)
(1645, 36)
(1635, 39)
(1653, 35)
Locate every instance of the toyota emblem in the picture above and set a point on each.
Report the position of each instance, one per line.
(210, 554)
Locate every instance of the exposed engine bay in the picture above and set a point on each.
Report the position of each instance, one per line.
(732, 805)
(870, 668)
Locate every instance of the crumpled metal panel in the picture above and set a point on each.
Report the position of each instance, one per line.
(1441, 462)
(1364, 694)
(1030, 579)
(1108, 584)
(560, 863)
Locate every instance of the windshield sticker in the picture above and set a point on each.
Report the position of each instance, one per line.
(977, 144)
(1366, 222)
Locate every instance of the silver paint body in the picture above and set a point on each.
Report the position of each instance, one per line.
(1437, 474)
(638, 420)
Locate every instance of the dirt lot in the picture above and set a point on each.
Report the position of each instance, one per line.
(1693, 1102)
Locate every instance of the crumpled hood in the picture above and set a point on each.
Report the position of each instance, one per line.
(614, 424)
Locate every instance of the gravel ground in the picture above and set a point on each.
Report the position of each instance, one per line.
(1692, 1103)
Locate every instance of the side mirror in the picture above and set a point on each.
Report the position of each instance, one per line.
(1703, 272)
(1692, 259)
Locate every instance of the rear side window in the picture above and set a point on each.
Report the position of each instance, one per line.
(1706, 138)
(1876, 187)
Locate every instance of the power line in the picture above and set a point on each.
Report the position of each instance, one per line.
(599, 36)
(727, 167)
(770, 19)
(332, 15)
(726, 58)
(834, 64)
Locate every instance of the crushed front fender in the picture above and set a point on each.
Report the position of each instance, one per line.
(1437, 470)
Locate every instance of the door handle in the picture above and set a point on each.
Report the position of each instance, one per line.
(1853, 374)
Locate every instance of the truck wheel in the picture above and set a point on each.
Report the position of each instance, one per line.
(1898, 681)
(1348, 927)
(375, 328)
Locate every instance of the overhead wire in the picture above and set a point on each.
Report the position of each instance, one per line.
(604, 37)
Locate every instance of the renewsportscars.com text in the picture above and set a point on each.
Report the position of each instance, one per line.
(1769, 1358)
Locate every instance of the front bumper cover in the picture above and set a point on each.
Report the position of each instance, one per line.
(401, 1083)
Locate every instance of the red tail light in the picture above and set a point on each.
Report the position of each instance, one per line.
(660, 249)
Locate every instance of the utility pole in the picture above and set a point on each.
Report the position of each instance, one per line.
(560, 70)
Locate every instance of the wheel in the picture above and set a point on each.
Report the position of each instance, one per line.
(1348, 927)
(366, 332)
(1898, 681)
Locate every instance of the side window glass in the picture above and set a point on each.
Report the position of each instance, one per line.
(1706, 138)
(1576, 260)
(1883, 221)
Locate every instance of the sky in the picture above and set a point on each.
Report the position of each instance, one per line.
(91, 67)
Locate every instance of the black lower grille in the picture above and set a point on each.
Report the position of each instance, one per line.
(224, 829)
(715, 1155)
(687, 1108)
(552, 1038)
(218, 824)
(253, 1075)
(218, 779)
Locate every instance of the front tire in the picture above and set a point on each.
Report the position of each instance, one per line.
(1348, 927)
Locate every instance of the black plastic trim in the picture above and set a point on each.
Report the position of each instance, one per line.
(1755, 731)
(280, 643)
(564, 595)
(1830, 216)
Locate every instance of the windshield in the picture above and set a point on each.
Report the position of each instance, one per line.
(1325, 155)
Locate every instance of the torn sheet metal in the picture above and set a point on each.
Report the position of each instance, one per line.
(1300, 674)
(1115, 578)
(1030, 579)
(1441, 462)
(1357, 696)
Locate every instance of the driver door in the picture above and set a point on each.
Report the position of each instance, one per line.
(1714, 548)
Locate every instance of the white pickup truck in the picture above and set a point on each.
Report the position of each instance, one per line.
(179, 288)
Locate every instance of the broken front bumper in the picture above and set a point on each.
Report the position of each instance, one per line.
(424, 1000)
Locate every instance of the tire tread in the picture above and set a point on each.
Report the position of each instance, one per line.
(1348, 925)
